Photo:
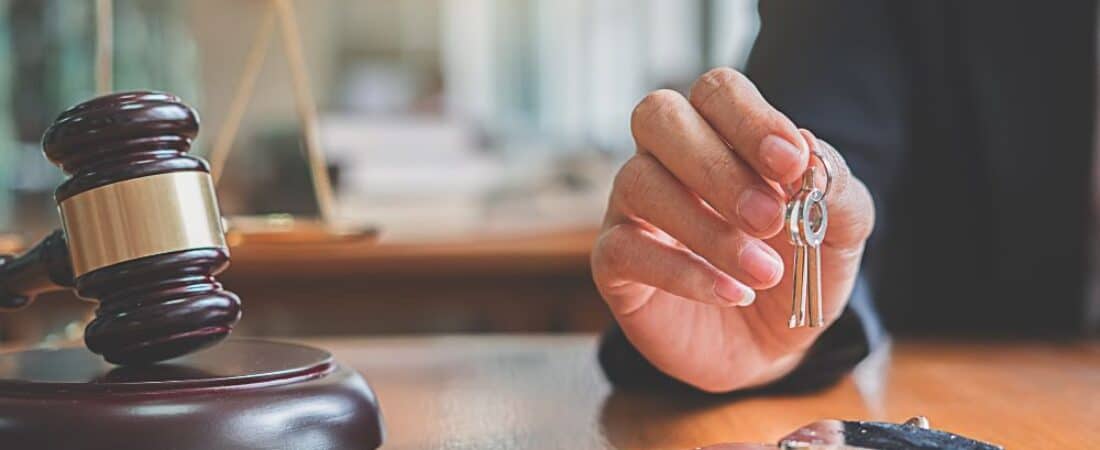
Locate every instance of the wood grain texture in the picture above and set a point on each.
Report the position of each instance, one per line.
(542, 392)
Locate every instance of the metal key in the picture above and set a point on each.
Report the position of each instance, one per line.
(814, 221)
(798, 263)
(807, 218)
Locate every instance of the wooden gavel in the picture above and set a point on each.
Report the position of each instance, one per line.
(141, 232)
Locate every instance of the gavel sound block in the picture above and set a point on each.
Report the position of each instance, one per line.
(141, 234)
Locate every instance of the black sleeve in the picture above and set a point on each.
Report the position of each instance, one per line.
(836, 68)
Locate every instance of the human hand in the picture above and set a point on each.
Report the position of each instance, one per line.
(690, 259)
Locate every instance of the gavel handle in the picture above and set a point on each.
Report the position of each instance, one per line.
(45, 267)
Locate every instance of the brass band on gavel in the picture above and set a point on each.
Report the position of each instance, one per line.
(141, 217)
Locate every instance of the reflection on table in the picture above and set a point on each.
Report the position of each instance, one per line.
(541, 392)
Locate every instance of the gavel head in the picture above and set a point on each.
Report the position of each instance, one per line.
(142, 225)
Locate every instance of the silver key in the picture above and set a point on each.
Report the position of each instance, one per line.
(815, 219)
(798, 263)
(807, 219)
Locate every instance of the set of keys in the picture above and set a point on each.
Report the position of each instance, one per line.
(807, 218)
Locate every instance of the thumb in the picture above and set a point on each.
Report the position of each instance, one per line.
(851, 210)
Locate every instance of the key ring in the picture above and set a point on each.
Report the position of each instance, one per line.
(825, 165)
(806, 233)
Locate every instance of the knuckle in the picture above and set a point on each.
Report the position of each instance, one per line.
(630, 183)
(610, 253)
(719, 174)
(693, 276)
(655, 109)
(722, 79)
(730, 242)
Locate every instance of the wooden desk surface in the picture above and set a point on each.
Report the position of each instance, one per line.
(540, 392)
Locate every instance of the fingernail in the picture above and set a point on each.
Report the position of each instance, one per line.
(760, 210)
(778, 154)
(759, 263)
(733, 293)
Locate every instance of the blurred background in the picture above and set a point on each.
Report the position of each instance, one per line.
(478, 137)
